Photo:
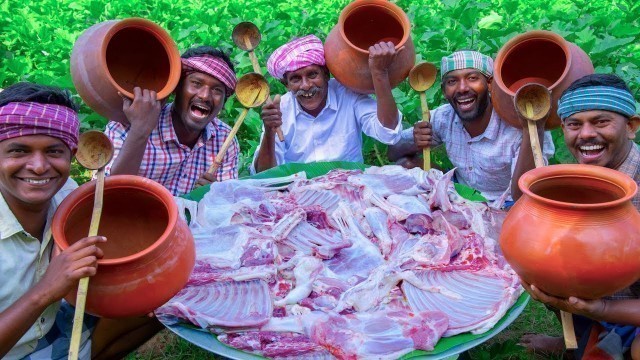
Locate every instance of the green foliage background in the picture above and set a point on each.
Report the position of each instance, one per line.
(36, 38)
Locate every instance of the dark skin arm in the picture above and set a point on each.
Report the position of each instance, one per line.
(525, 160)
(272, 118)
(381, 56)
(64, 271)
(143, 114)
(422, 138)
(625, 312)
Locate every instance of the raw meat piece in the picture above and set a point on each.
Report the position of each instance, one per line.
(379, 222)
(385, 334)
(277, 345)
(419, 224)
(305, 271)
(485, 298)
(439, 198)
(309, 240)
(220, 305)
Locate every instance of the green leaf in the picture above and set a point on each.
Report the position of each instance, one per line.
(493, 20)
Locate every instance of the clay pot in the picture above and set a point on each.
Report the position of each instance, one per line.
(574, 231)
(541, 57)
(149, 253)
(115, 56)
(362, 24)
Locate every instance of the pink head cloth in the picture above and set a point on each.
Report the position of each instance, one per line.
(296, 54)
(213, 66)
(32, 118)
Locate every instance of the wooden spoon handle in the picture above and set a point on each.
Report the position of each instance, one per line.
(217, 162)
(568, 331)
(83, 285)
(426, 116)
(533, 137)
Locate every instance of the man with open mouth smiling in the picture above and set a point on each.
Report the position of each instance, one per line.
(481, 146)
(599, 123)
(176, 143)
(38, 138)
(320, 118)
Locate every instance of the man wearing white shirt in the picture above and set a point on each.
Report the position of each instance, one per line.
(321, 119)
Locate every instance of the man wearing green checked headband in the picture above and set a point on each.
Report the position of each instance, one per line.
(481, 146)
(599, 123)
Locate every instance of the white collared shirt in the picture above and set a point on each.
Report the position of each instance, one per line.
(23, 262)
(335, 134)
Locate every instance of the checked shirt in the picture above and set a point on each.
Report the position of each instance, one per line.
(174, 165)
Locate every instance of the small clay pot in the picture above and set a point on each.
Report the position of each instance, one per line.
(574, 231)
(541, 57)
(118, 55)
(149, 253)
(360, 25)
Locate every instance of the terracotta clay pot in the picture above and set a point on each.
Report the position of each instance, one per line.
(574, 231)
(149, 253)
(541, 57)
(115, 56)
(361, 24)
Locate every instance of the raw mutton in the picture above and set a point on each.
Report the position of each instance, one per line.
(352, 264)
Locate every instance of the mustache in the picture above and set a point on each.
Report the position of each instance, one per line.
(312, 91)
(589, 143)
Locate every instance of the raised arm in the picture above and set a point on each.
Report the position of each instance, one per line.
(272, 118)
(143, 114)
(381, 56)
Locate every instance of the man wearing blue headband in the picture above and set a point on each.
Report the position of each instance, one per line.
(481, 146)
(599, 123)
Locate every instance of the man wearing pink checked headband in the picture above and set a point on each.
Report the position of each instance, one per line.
(175, 144)
(320, 118)
(38, 137)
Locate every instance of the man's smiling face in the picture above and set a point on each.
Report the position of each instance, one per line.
(32, 169)
(467, 90)
(599, 137)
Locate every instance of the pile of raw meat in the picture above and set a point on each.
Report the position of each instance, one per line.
(349, 265)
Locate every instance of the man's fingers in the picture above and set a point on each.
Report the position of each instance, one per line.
(137, 92)
(276, 101)
(88, 241)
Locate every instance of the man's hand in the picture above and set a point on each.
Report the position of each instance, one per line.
(66, 269)
(593, 309)
(143, 112)
(205, 179)
(422, 134)
(271, 115)
(381, 56)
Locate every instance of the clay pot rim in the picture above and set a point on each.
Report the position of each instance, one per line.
(118, 181)
(601, 173)
(167, 42)
(520, 39)
(399, 14)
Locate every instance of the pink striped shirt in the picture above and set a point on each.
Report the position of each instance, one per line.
(174, 165)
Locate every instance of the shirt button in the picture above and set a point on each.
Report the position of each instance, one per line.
(42, 320)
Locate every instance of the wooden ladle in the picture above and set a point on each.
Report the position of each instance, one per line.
(421, 78)
(533, 103)
(252, 90)
(95, 150)
(247, 37)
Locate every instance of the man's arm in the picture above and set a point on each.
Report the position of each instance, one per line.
(625, 312)
(412, 141)
(272, 119)
(64, 271)
(143, 114)
(381, 56)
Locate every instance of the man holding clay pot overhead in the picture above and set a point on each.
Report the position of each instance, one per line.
(320, 118)
(176, 143)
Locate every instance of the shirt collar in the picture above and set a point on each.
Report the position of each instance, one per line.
(331, 101)
(491, 132)
(168, 133)
(9, 224)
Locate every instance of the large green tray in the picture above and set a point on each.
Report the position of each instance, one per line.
(446, 348)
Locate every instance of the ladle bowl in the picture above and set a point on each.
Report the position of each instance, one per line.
(422, 76)
(252, 90)
(243, 31)
(95, 150)
(533, 101)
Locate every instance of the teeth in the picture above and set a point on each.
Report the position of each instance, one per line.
(591, 147)
(465, 101)
(37, 182)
